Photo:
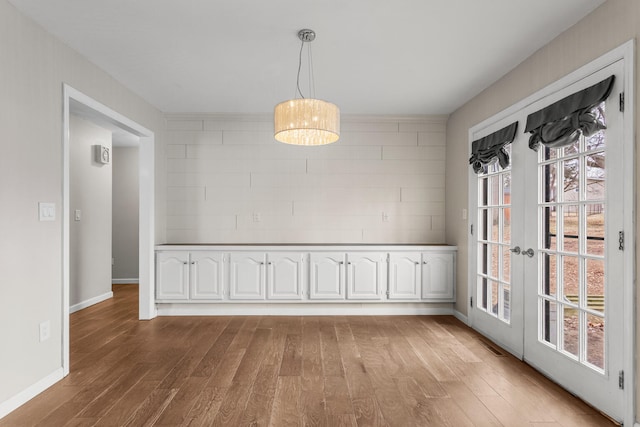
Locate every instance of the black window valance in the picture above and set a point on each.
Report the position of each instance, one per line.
(485, 150)
(561, 123)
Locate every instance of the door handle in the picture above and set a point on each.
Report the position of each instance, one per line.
(529, 252)
(516, 250)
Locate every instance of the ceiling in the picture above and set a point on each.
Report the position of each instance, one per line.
(370, 56)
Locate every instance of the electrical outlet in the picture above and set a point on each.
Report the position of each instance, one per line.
(45, 330)
(464, 214)
(257, 217)
(385, 217)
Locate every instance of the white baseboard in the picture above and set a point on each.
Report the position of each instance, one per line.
(125, 281)
(29, 393)
(461, 317)
(306, 309)
(90, 302)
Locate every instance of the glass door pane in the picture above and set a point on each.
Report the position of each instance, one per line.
(571, 250)
(494, 256)
(574, 208)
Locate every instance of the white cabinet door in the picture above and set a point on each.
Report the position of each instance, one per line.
(405, 275)
(327, 275)
(247, 278)
(172, 275)
(285, 275)
(437, 276)
(366, 275)
(206, 275)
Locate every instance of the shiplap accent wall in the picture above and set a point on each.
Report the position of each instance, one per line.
(229, 181)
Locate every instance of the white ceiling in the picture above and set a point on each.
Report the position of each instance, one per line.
(369, 57)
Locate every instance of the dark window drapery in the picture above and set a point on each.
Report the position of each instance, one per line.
(561, 123)
(486, 150)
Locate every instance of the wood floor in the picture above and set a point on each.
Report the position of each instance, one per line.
(282, 371)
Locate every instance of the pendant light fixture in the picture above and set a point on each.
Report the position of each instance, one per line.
(306, 121)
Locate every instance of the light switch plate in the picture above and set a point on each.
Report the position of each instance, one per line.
(47, 211)
(78, 215)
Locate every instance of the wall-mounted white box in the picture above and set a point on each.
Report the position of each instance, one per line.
(45, 330)
(102, 154)
(47, 211)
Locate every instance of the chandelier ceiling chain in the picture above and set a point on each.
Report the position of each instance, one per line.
(306, 121)
(299, 68)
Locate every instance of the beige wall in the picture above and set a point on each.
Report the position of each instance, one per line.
(90, 237)
(34, 67)
(125, 212)
(229, 181)
(608, 27)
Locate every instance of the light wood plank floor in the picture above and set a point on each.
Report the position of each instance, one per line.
(282, 371)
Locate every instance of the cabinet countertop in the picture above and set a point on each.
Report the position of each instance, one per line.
(315, 246)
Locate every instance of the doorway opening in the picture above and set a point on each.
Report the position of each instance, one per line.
(75, 102)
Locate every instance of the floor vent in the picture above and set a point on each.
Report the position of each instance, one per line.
(495, 350)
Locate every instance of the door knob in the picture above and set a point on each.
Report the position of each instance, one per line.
(516, 250)
(529, 252)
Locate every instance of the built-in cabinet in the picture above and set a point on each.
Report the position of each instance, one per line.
(172, 272)
(185, 275)
(327, 276)
(421, 276)
(262, 275)
(405, 275)
(247, 275)
(256, 273)
(366, 275)
(437, 271)
(286, 274)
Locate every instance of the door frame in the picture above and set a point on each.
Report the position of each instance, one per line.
(146, 189)
(625, 52)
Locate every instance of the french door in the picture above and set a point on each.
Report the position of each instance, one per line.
(497, 294)
(547, 262)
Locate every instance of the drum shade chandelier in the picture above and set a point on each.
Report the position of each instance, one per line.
(306, 121)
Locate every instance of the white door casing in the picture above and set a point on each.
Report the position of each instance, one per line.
(146, 215)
